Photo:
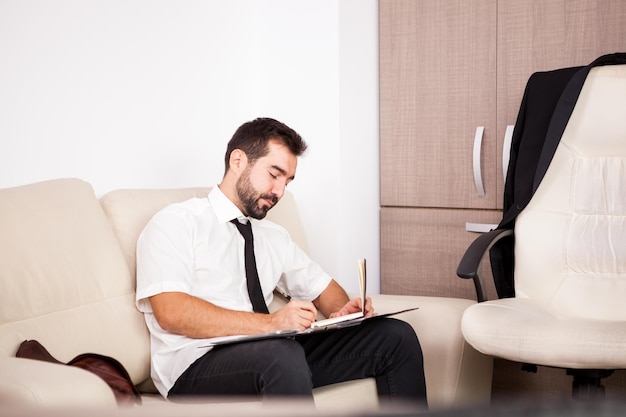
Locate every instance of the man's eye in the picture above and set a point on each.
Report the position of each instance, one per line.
(272, 175)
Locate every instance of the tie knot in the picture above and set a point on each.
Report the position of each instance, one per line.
(244, 228)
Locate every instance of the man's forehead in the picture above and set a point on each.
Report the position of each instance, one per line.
(281, 158)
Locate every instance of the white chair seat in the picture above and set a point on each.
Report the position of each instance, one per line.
(521, 330)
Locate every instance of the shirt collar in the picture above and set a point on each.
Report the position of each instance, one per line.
(225, 210)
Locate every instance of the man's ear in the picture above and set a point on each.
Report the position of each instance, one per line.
(238, 160)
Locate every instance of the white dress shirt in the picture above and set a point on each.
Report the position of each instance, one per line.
(192, 247)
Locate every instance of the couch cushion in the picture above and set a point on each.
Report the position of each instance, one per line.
(64, 279)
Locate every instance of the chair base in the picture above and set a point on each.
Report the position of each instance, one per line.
(587, 384)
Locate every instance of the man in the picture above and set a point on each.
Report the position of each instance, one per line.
(191, 286)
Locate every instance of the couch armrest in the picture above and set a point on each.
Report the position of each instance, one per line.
(27, 382)
(456, 374)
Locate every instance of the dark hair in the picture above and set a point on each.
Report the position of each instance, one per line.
(253, 138)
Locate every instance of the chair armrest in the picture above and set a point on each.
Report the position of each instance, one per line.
(27, 382)
(470, 262)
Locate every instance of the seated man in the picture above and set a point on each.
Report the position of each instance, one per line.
(197, 279)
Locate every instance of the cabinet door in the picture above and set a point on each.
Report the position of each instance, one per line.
(421, 249)
(437, 85)
(539, 35)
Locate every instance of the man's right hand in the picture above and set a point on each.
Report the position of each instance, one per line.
(295, 315)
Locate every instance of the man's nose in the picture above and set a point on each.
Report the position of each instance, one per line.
(278, 188)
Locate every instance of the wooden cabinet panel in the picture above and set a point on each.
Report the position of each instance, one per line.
(539, 35)
(437, 84)
(421, 249)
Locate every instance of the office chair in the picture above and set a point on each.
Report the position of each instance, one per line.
(558, 256)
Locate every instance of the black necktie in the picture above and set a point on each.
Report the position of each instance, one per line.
(252, 276)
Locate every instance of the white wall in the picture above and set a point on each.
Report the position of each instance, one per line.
(146, 93)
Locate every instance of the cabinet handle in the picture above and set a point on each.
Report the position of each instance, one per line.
(506, 149)
(480, 227)
(478, 178)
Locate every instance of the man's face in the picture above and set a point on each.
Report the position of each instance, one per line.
(262, 184)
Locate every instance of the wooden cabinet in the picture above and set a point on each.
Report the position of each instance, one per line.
(447, 69)
(421, 248)
(540, 35)
(437, 85)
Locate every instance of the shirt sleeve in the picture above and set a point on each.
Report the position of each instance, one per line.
(302, 278)
(164, 257)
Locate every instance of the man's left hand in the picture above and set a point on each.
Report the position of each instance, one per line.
(354, 306)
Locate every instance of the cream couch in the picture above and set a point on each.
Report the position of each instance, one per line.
(67, 263)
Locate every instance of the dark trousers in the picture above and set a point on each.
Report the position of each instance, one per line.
(386, 349)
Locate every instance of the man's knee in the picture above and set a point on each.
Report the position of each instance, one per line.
(407, 339)
(396, 331)
(399, 343)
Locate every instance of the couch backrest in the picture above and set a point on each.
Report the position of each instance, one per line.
(63, 278)
(129, 210)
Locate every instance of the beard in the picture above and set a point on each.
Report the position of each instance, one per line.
(250, 198)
